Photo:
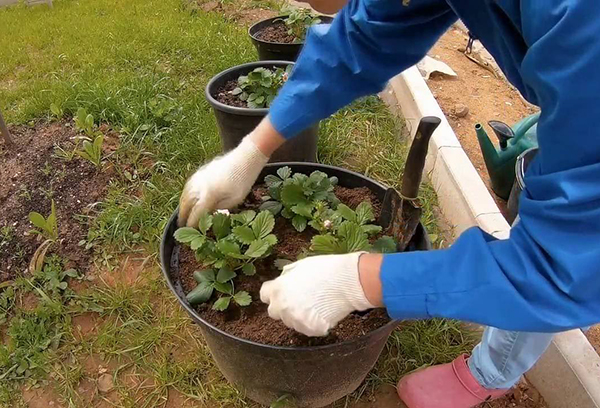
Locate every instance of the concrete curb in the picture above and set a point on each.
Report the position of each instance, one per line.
(568, 375)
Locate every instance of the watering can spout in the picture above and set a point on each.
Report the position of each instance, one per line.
(490, 154)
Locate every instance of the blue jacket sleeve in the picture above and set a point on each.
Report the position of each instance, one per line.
(546, 276)
(368, 42)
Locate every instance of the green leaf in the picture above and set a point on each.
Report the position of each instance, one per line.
(72, 273)
(325, 244)
(257, 249)
(98, 143)
(304, 209)
(197, 243)
(260, 100)
(249, 269)
(271, 239)
(37, 219)
(187, 235)
(242, 298)
(223, 287)
(284, 172)
(245, 217)
(222, 303)
(346, 212)
(286, 213)
(63, 285)
(200, 293)
(207, 275)
(263, 224)
(299, 222)
(228, 247)
(364, 213)
(371, 229)
(353, 237)
(221, 225)
(292, 194)
(273, 206)
(272, 181)
(244, 234)
(384, 245)
(280, 263)
(225, 274)
(205, 222)
(236, 91)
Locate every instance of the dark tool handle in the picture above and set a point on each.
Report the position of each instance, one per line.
(415, 162)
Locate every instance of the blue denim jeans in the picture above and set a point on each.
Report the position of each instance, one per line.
(503, 356)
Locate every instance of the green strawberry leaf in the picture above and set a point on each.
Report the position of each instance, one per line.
(207, 275)
(222, 303)
(205, 222)
(242, 298)
(325, 244)
(273, 206)
(353, 237)
(228, 247)
(271, 239)
(385, 245)
(286, 213)
(244, 218)
(292, 194)
(225, 274)
(200, 293)
(257, 248)
(249, 269)
(263, 224)
(284, 172)
(280, 263)
(183, 235)
(223, 287)
(364, 213)
(299, 222)
(197, 243)
(244, 234)
(221, 225)
(303, 209)
(371, 229)
(346, 212)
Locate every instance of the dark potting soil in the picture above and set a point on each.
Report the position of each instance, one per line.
(31, 177)
(276, 33)
(253, 322)
(224, 95)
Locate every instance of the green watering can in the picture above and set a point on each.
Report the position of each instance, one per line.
(513, 141)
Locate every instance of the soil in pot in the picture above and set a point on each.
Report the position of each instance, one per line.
(252, 322)
(224, 95)
(276, 33)
(34, 176)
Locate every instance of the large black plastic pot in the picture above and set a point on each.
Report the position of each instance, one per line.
(311, 376)
(275, 50)
(235, 123)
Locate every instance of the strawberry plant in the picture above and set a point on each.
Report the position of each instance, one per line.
(297, 196)
(92, 144)
(298, 21)
(227, 243)
(259, 88)
(346, 230)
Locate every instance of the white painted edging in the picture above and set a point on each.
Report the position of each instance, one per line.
(568, 375)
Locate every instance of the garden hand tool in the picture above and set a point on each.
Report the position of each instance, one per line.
(401, 212)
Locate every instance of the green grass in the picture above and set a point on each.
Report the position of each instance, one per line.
(141, 66)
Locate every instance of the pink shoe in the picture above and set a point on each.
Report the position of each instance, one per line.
(445, 386)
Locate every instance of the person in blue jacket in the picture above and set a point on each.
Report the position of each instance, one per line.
(543, 279)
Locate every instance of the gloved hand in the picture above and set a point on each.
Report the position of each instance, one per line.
(222, 183)
(312, 295)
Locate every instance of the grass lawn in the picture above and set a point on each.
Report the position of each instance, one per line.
(141, 67)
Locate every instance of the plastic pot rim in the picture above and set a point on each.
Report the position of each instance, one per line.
(253, 30)
(234, 109)
(165, 268)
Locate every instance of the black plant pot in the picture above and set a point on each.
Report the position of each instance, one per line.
(311, 376)
(275, 50)
(235, 123)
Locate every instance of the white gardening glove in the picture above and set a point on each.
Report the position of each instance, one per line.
(223, 183)
(314, 294)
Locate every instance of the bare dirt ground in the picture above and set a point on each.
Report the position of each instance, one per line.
(485, 96)
(593, 336)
